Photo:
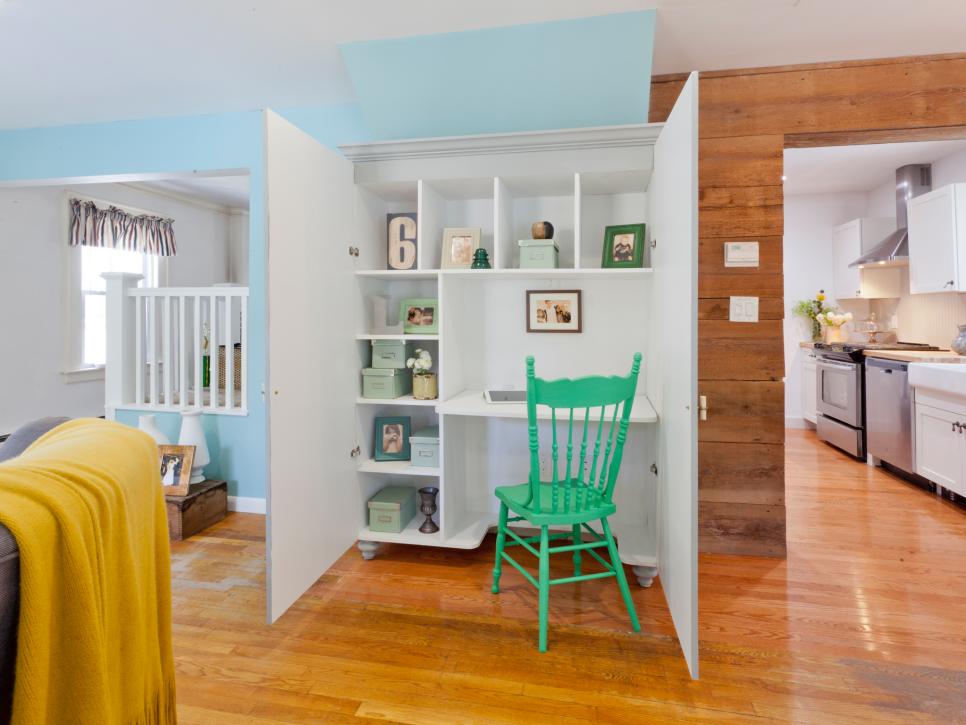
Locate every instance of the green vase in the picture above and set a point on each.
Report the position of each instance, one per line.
(205, 371)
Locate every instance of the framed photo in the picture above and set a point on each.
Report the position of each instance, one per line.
(420, 316)
(401, 241)
(175, 464)
(459, 244)
(554, 310)
(623, 246)
(391, 438)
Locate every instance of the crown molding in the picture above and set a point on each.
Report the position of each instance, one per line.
(632, 135)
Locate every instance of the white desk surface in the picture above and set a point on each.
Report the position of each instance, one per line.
(472, 403)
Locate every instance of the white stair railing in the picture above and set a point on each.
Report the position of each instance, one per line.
(171, 348)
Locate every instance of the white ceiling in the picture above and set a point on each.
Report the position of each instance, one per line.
(836, 169)
(230, 191)
(63, 61)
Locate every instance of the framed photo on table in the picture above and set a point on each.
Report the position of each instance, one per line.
(175, 462)
(459, 244)
(391, 438)
(623, 246)
(554, 310)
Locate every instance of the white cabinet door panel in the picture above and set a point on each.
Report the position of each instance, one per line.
(809, 387)
(846, 248)
(672, 361)
(313, 500)
(939, 447)
(932, 242)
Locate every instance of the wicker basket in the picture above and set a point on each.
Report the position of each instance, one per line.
(236, 371)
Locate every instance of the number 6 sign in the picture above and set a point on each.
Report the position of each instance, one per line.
(401, 236)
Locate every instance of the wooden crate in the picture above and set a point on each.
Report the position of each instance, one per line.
(205, 504)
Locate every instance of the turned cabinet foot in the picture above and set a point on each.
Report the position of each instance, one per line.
(645, 574)
(368, 549)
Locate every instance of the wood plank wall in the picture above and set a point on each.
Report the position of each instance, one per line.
(747, 118)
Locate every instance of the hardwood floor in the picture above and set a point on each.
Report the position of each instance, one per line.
(864, 622)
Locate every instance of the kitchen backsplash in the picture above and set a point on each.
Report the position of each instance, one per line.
(933, 319)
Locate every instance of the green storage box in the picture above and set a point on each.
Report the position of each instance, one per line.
(380, 383)
(392, 509)
(539, 254)
(424, 446)
(389, 354)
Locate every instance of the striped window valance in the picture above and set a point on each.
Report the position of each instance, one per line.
(118, 229)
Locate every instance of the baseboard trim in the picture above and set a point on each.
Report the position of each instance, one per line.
(246, 504)
(795, 422)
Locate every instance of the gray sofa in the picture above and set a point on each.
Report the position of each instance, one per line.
(12, 447)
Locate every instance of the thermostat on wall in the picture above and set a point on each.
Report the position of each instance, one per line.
(741, 254)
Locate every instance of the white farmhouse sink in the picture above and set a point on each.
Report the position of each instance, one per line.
(949, 378)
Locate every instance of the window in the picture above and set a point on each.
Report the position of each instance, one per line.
(94, 261)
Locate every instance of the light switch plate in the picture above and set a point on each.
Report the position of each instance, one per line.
(741, 254)
(744, 309)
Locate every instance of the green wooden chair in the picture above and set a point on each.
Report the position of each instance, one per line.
(582, 494)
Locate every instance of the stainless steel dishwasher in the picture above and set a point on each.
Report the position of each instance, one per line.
(888, 413)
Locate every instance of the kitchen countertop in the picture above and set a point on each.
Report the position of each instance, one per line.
(933, 356)
(807, 345)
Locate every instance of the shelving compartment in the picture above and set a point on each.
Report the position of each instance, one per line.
(412, 343)
(523, 200)
(609, 199)
(377, 201)
(447, 203)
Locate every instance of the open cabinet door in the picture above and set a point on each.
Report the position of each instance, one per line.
(672, 383)
(312, 498)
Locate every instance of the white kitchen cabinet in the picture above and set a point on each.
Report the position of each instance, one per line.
(941, 442)
(937, 240)
(849, 242)
(808, 386)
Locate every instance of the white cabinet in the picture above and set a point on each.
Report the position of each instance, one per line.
(849, 242)
(941, 442)
(808, 386)
(937, 240)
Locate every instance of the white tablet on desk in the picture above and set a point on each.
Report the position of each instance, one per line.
(505, 396)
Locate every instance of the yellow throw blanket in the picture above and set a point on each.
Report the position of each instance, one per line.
(94, 646)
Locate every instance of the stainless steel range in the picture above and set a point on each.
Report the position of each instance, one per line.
(841, 392)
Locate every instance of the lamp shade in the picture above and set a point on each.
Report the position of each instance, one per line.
(192, 434)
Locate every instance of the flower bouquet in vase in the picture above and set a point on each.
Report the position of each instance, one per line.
(812, 310)
(832, 322)
(425, 386)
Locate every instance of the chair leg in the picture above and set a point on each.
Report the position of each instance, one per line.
(500, 543)
(621, 579)
(577, 539)
(544, 580)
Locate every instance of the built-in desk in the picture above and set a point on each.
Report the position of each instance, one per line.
(472, 403)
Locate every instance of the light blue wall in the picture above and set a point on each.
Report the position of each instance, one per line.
(565, 74)
(172, 145)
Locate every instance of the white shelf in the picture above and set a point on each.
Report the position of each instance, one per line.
(410, 535)
(375, 336)
(475, 526)
(560, 273)
(398, 274)
(397, 468)
(471, 403)
(404, 400)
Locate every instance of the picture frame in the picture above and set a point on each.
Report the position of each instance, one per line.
(401, 236)
(419, 315)
(459, 245)
(175, 463)
(623, 246)
(390, 439)
(554, 311)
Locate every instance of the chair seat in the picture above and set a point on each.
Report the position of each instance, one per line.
(585, 504)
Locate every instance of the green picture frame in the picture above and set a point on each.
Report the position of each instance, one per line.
(419, 315)
(390, 438)
(616, 254)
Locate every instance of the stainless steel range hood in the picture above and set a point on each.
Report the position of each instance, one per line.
(911, 181)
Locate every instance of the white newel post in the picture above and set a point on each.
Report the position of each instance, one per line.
(120, 368)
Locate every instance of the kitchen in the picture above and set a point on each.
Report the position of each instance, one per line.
(874, 253)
